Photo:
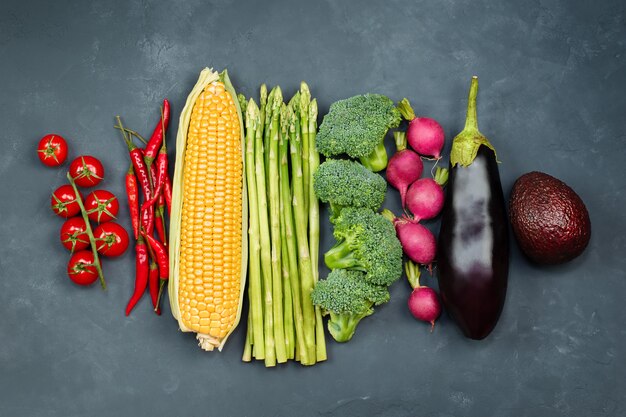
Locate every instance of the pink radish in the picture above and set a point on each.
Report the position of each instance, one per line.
(404, 167)
(417, 241)
(425, 135)
(423, 302)
(425, 197)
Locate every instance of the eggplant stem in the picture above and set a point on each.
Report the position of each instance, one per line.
(471, 120)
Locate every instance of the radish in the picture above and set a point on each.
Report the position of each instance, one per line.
(423, 302)
(425, 196)
(425, 135)
(404, 167)
(417, 241)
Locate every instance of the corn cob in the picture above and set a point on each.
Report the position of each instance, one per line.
(208, 250)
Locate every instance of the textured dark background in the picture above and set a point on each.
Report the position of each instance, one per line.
(553, 78)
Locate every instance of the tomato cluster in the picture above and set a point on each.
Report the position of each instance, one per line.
(100, 206)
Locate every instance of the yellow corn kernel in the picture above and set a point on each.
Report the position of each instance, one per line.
(209, 244)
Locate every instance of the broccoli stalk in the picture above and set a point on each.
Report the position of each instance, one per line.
(341, 256)
(342, 326)
(348, 298)
(377, 160)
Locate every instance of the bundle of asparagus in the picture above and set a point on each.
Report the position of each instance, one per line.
(283, 212)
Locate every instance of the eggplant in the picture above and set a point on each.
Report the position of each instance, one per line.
(473, 246)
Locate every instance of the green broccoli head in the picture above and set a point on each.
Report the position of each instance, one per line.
(357, 126)
(348, 298)
(366, 241)
(348, 183)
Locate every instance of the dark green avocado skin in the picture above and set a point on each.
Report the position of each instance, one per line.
(549, 220)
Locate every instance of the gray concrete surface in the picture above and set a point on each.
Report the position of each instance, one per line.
(553, 78)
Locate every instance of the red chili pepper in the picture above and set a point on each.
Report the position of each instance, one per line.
(158, 177)
(141, 170)
(141, 274)
(159, 220)
(132, 193)
(152, 148)
(160, 254)
(153, 284)
(147, 214)
(167, 181)
(167, 192)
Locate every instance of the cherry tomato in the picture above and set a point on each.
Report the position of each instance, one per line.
(86, 171)
(102, 206)
(111, 239)
(52, 150)
(64, 202)
(73, 234)
(82, 269)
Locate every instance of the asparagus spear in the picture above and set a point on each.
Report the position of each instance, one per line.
(305, 99)
(274, 205)
(314, 227)
(287, 293)
(254, 256)
(266, 133)
(290, 341)
(304, 260)
(243, 105)
(262, 107)
(290, 240)
(247, 347)
(264, 239)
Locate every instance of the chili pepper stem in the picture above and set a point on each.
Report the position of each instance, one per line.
(122, 129)
(161, 286)
(92, 238)
(134, 133)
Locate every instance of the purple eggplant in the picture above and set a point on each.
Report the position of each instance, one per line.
(473, 247)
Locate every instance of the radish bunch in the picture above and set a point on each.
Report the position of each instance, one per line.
(423, 197)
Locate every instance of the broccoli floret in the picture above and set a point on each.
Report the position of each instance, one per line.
(366, 241)
(357, 126)
(347, 298)
(348, 183)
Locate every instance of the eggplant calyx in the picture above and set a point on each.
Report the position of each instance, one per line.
(465, 145)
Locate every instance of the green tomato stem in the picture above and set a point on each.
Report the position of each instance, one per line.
(92, 238)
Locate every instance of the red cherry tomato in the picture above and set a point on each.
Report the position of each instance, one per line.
(102, 206)
(82, 269)
(73, 234)
(86, 171)
(111, 239)
(52, 150)
(64, 202)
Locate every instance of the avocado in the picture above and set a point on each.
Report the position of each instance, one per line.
(549, 220)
